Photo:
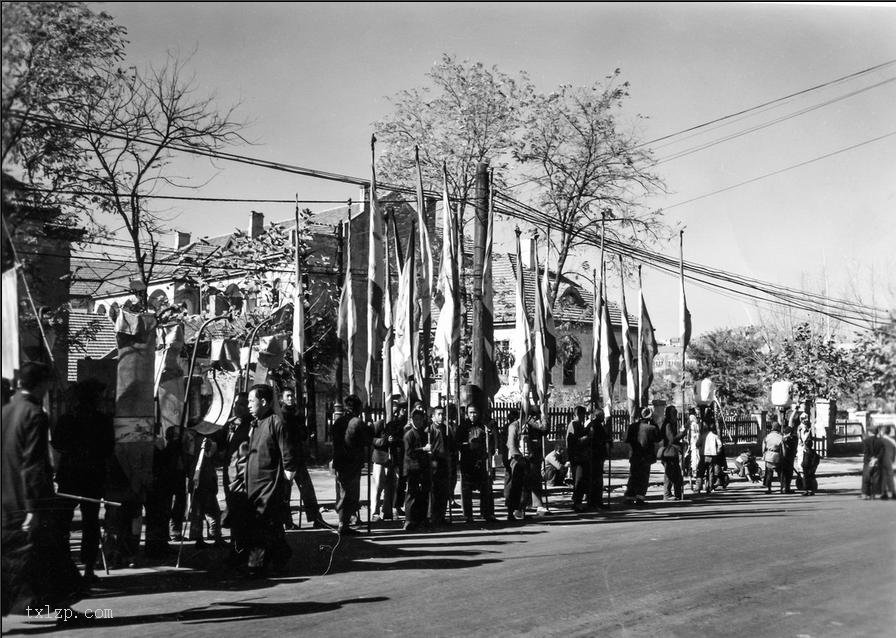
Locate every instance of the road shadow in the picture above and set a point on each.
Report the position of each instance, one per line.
(213, 613)
(362, 554)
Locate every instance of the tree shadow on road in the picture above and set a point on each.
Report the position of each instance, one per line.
(367, 555)
(214, 613)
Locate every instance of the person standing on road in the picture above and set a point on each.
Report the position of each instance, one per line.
(36, 569)
(442, 441)
(351, 436)
(642, 438)
(270, 469)
(773, 457)
(673, 482)
(387, 453)
(299, 431)
(889, 457)
(417, 469)
(601, 446)
(712, 452)
(579, 437)
(695, 451)
(810, 462)
(790, 446)
(474, 449)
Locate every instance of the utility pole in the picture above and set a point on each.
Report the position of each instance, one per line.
(479, 236)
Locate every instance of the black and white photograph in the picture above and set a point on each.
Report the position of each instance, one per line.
(448, 319)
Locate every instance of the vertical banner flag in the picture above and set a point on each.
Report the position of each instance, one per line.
(541, 369)
(447, 337)
(405, 364)
(389, 335)
(631, 375)
(491, 381)
(375, 279)
(298, 300)
(598, 307)
(647, 347)
(550, 332)
(521, 340)
(10, 323)
(609, 358)
(685, 314)
(347, 323)
(425, 293)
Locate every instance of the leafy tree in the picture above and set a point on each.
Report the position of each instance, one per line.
(586, 166)
(878, 353)
(819, 366)
(733, 358)
(467, 114)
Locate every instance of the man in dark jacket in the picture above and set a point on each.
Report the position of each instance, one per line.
(35, 567)
(417, 455)
(642, 437)
(270, 469)
(472, 440)
(299, 431)
(351, 437)
(578, 442)
(441, 437)
(84, 439)
(388, 452)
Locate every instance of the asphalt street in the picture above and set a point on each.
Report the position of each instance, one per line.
(737, 562)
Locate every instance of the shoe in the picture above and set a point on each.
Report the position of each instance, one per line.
(468, 520)
(602, 506)
(399, 511)
(290, 527)
(348, 531)
(768, 490)
(220, 543)
(90, 578)
(543, 511)
(578, 507)
(491, 519)
(176, 537)
(410, 527)
(387, 519)
(321, 524)
(376, 518)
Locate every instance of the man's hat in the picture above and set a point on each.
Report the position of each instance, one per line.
(418, 407)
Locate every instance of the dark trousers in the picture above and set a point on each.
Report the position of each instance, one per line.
(306, 491)
(348, 495)
(810, 483)
(475, 477)
(638, 476)
(205, 508)
(596, 488)
(438, 502)
(770, 470)
(90, 529)
(519, 468)
(238, 519)
(416, 504)
(267, 542)
(581, 477)
(673, 482)
(713, 473)
(401, 490)
(787, 473)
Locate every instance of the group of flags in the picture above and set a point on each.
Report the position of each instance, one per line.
(397, 332)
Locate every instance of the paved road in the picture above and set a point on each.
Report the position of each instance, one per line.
(735, 563)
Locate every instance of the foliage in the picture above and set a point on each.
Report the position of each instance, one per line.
(819, 366)
(469, 113)
(878, 352)
(569, 350)
(733, 358)
(586, 167)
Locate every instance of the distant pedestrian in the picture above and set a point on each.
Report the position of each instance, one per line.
(579, 437)
(872, 459)
(789, 450)
(670, 456)
(351, 437)
(889, 458)
(443, 449)
(642, 438)
(773, 457)
(713, 453)
(417, 469)
(601, 447)
(474, 447)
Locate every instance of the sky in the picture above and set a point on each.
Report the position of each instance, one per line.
(312, 78)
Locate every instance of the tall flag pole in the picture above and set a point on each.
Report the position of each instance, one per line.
(685, 318)
(647, 347)
(521, 340)
(426, 288)
(389, 333)
(347, 323)
(542, 376)
(631, 375)
(447, 337)
(491, 381)
(596, 341)
(298, 323)
(375, 279)
(609, 356)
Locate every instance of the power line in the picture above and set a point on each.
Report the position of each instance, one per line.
(779, 171)
(770, 102)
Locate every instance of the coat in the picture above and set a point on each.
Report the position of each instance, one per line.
(271, 451)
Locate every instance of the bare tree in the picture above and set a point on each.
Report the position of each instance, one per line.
(130, 127)
(586, 166)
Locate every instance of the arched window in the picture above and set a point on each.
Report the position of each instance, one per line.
(100, 310)
(113, 311)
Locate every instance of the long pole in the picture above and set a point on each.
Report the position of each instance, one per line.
(458, 276)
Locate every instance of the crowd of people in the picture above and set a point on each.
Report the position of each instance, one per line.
(415, 458)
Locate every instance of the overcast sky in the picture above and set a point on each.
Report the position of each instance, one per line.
(312, 78)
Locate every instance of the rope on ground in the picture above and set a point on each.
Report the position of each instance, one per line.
(333, 552)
